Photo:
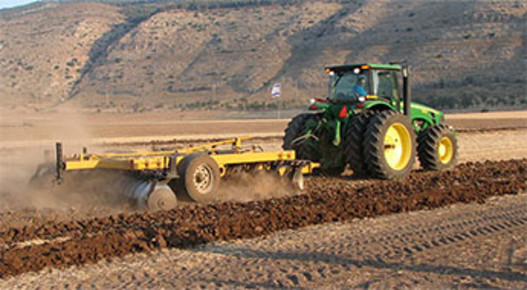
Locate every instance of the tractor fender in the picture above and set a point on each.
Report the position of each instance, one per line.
(379, 106)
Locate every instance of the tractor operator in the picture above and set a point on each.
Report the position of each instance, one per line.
(358, 88)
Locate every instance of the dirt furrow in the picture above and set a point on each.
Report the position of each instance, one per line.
(327, 200)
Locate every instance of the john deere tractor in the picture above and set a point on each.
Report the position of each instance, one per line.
(369, 123)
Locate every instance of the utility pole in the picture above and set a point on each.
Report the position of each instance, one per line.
(278, 115)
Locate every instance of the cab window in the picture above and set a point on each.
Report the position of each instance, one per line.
(386, 85)
(343, 86)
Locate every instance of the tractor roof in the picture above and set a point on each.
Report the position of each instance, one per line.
(346, 67)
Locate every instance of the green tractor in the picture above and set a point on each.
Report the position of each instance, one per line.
(369, 123)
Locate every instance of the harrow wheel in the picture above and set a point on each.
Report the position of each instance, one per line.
(200, 176)
(437, 148)
(389, 145)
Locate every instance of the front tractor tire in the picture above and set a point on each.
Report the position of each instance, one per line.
(295, 137)
(437, 148)
(389, 146)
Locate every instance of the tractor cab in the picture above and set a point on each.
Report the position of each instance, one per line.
(355, 88)
(358, 83)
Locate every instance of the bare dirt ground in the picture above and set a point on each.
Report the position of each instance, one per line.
(463, 246)
(315, 256)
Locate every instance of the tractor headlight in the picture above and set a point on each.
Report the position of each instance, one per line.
(362, 99)
(312, 101)
(331, 73)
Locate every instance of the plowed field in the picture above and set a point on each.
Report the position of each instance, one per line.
(35, 237)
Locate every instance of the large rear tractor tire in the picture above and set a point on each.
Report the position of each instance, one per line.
(332, 171)
(389, 146)
(353, 143)
(200, 177)
(437, 148)
(296, 129)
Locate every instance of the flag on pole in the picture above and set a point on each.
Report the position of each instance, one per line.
(275, 92)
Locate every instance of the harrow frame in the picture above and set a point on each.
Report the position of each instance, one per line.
(168, 160)
(160, 167)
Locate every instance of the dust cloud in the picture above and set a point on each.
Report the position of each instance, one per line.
(258, 186)
(79, 191)
(25, 138)
(32, 146)
(17, 166)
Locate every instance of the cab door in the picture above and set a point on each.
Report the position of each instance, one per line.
(386, 85)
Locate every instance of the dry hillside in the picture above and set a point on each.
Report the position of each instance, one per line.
(465, 54)
(43, 50)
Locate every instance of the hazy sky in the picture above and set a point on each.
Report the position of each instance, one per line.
(13, 3)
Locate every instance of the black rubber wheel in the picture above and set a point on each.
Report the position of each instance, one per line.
(200, 177)
(389, 145)
(353, 143)
(296, 128)
(437, 148)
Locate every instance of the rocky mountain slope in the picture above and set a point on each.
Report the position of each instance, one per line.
(464, 54)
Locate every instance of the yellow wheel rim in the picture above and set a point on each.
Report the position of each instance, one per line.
(445, 150)
(397, 146)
